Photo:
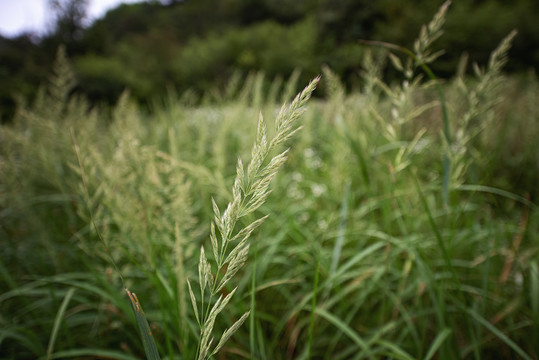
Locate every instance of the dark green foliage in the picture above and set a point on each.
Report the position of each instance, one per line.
(151, 46)
(70, 17)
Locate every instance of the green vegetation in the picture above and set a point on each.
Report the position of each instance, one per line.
(386, 230)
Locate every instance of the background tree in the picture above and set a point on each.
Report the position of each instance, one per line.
(69, 17)
(197, 44)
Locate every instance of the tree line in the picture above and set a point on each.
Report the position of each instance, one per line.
(152, 46)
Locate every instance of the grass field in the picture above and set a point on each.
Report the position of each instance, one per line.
(401, 224)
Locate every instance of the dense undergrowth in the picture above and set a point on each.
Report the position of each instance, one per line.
(367, 252)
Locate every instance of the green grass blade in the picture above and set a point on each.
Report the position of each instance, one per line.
(494, 330)
(25, 337)
(8, 278)
(347, 330)
(355, 146)
(313, 305)
(496, 191)
(58, 321)
(436, 232)
(437, 343)
(145, 332)
(534, 300)
(252, 329)
(92, 353)
(342, 230)
(396, 352)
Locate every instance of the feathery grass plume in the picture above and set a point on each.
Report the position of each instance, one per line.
(249, 192)
(490, 79)
(336, 93)
(53, 102)
(422, 57)
(428, 34)
(63, 80)
(481, 99)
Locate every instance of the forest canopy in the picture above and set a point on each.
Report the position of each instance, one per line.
(153, 46)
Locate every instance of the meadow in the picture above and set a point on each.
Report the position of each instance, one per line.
(395, 221)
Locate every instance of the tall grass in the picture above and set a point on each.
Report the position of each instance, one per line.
(360, 256)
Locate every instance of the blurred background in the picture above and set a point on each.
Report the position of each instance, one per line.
(151, 47)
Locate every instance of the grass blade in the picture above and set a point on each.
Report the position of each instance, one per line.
(313, 305)
(499, 192)
(347, 330)
(58, 321)
(534, 300)
(145, 332)
(92, 353)
(437, 343)
(252, 329)
(342, 230)
(395, 352)
(498, 334)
